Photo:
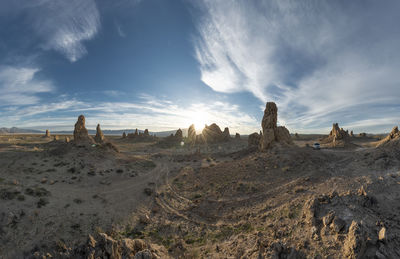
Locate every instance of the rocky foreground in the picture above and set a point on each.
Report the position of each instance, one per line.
(203, 196)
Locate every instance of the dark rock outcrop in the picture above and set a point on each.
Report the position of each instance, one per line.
(99, 138)
(191, 134)
(254, 140)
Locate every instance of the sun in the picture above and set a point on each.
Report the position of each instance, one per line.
(199, 119)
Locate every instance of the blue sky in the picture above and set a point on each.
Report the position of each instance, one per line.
(164, 64)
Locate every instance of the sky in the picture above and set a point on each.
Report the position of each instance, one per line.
(165, 64)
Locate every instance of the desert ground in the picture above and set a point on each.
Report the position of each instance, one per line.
(223, 200)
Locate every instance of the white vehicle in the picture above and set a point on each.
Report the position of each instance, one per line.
(316, 146)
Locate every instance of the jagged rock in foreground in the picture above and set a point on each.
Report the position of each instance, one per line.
(99, 138)
(81, 135)
(104, 246)
(254, 140)
(271, 132)
(392, 139)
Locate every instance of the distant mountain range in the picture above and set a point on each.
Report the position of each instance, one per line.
(15, 130)
(18, 130)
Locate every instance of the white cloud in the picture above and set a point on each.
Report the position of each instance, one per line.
(58, 25)
(321, 61)
(18, 86)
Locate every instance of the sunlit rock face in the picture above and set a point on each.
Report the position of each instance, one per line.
(392, 139)
(81, 135)
(271, 133)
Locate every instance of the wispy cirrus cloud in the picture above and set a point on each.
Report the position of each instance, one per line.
(18, 86)
(57, 25)
(321, 61)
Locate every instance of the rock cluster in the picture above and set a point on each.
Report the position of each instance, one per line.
(271, 133)
(141, 137)
(210, 135)
(81, 135)
(172, 139)
(99, 138)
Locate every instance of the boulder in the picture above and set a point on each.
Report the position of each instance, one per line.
(355, 242)
(271, 133)
(81, 135)
(99, 138)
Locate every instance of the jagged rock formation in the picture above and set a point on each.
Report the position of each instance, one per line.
(99, 138)
(271, 133)
(146, 132)
(237, 136)
(47, 135)
(338, 137)
(254, 139)
(124, 135)
(212, 134)
(55, 138)
(191, 134)
(81, 135)
(392, 139)
(351, 134)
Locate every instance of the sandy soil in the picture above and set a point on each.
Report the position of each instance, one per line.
(216, 201)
